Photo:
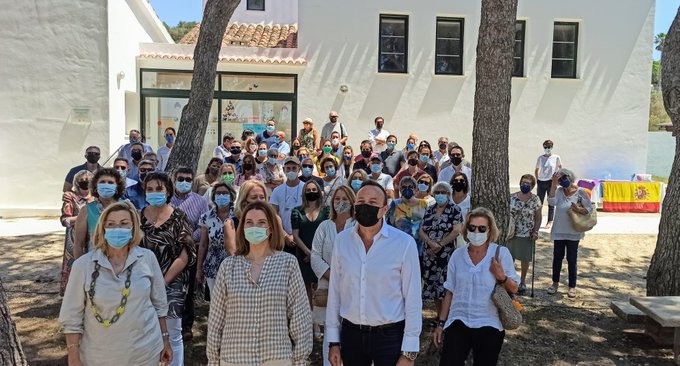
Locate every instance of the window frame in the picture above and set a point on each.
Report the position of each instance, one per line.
(461, 40)
(522, 57)
(249, 7)
(574, 71)
(405, 19)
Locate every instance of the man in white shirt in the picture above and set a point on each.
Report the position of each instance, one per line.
(224, 151)
(336, 146)
(383, 179)
(334, 126)
(281, 144)
(442, 155)
(456, 155)
(374, 312)
(378, 136)
(546, 165)
(286, 197)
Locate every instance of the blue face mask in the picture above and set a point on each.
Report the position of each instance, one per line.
(222, 200)
(376, 168)
(306, 172)
(423, 187)
(117, 237)
(106, 190)
(277, 139)
(183, 187)
(170, 139)
(525, 188)
(441, 198)
(330, 172)
(270, 128)
(255, 235)
(262, 153)
(123, 173)
(410, 147)
(156, 199)
(424, 158)
(391, 145)
(565, 183)
(356, 184)
(407, 193)
(547, 151)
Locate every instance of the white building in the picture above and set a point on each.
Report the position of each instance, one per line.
(583, 73)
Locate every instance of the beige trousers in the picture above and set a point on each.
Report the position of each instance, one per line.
(268, 363)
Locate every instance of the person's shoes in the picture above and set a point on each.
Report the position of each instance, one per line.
(522, 289)
(548, 225)
(317, 332)
(187, 336)
(553, 289)
(571, 292)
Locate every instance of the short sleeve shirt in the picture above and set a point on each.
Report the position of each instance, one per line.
(547, 166)
(392, 162)
(286, 198)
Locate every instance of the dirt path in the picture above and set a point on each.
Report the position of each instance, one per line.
(558, 331)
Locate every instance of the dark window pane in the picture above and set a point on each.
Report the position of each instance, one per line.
(518, 67)
(563, 69)
(448, 29)
(392, 27)
(392, 63)
(255, 5)
(393, 44)
(519, 30)
(448, 48)
(563, 50)
(519, 49)
(565, 33)
(448, 65)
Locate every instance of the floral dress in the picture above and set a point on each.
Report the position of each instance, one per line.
(408, 218)
(523, 213)
(216, 251)
(437, 227)
(167, 242)
(307, 139)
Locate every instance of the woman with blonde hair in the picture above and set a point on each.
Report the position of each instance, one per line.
(341, 218)
(356, 179)
(115, 305)
(468, 319)
(259, 298)
(250, 191)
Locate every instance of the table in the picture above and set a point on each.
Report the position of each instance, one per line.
(665, 310)
(621, 196)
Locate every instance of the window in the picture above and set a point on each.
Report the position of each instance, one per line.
(255, 5)
(393, 45)
(565, 46)
(449, 47)
(518, 58)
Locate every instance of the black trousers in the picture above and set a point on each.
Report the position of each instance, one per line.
(189, 314)
(542, 189)
(380, 347)
(485, 343)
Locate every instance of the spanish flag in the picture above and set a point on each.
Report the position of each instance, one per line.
(631, 196)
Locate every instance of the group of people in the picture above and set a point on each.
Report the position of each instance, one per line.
(295, 241)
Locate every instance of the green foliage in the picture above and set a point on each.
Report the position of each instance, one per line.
(657, 112)
(659, 40)
(656, 72)
(178, 31)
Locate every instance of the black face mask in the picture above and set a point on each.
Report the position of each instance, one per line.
(92, 158)
(84, 185)
(442, 146)
(413, 162)
(366, 215)
(142, 176)
(136, 155)
(312, 196)
(366, 153)
(247, 167)
(214, 171)
(333, 119)
(458, 186)
(456, 160)
(235, 151)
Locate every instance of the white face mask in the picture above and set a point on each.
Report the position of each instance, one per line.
(476, 239)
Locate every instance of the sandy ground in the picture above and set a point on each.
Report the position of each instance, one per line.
(558, 331)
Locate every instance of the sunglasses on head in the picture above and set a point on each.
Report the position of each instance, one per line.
(473, 228)
(183, 179)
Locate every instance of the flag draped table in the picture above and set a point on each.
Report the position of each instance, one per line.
(631, 196)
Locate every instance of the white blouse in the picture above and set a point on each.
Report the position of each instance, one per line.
(322, 248)
(472, 286)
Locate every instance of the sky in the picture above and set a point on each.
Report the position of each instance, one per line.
(172, 11)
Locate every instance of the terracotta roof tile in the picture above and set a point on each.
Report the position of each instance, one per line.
(231, 58)
(252, 35)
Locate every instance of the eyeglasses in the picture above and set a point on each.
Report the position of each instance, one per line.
(145, 170)
(456, 155)
(184, 179)
(473, 228)
(310, 166)
(424, 182)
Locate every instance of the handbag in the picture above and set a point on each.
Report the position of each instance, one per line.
(583, 222)
(511, 317)
(511, 228)
(320, 298)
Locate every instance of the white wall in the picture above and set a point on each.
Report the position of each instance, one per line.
(276, 11)
(130, 22)
(598, 122)
(54, 58)
(661, 153)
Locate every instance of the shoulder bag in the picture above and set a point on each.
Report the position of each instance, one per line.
(583, 222)
(511, 317)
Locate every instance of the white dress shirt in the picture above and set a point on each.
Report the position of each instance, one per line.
(378, 287)
(446, 174)
(472, 286)
(382, 135)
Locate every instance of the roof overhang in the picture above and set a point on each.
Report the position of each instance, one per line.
(231, 54)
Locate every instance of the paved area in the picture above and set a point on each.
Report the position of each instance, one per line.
(608, 223)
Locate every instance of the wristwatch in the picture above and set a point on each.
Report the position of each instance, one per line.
(333, 344)
(410, 355)
(503, 281)
(441, 323)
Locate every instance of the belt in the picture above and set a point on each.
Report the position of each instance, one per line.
(371, 328)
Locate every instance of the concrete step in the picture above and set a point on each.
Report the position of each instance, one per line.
(628, 312)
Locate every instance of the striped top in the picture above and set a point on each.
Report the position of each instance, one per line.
(193, 205)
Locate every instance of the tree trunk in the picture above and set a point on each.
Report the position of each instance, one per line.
(11, 352)
(194, 121)
(490, 179)
(663, 277)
